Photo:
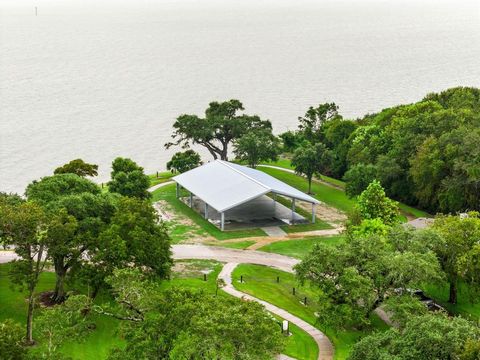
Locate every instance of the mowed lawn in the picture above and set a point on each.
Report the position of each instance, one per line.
(261, 282)
(105, 337)
(468, 303)
(298, 248)
(329, 195)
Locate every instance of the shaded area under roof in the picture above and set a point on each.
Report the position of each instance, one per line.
(224, 185)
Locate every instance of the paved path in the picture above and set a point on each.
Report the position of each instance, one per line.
(325, 347)
(274, 231)
(158, 186)
(277, 261)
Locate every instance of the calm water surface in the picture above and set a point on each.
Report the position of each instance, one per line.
(100, 81)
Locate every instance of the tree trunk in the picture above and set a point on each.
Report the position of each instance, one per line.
(31, 303)
(309, 185)
(453, 292)
(31, 298)
(61, 272)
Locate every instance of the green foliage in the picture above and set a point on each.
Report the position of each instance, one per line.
(128, 179)
(402, 308)
(459, 250)
(50, 188)
(257, 146)
(61, 323)
(23, 225)
(374, 204)
(356, 275)
(310, 159)
(194, 324)
(430, 336)
(78, 167)
(221, 125)
(369, 227)
(184, 161)
(291, 140)
(311, 123)
(358, 177)
(12, 341)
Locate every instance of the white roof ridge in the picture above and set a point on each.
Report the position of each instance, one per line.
(226, 163)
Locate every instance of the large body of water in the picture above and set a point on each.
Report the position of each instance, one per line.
(83, 80)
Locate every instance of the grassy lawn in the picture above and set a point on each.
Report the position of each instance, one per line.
(161, 178)
(97, 345)
(234, 245)
(300, 247)
(467, 305)
(167, 193)
(327, 194)
(260, 281)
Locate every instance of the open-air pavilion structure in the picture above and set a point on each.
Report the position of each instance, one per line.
(225, 191)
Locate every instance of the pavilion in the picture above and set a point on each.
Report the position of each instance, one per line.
(225, 191)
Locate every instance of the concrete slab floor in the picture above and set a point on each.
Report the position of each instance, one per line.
(259, 212)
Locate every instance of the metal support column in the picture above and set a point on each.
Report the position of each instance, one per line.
(191, 199)
(222, 221)
(274, 204)
(293, 210)
(206, 211)
(178, 190)
(313, 214)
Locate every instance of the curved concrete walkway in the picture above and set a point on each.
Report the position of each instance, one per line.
(227, 255)
(325, 347)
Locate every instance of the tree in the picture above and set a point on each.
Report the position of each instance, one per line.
(356, 276)
(257, 146)
(134, 238)
(50, 188)
(373, 203)
(195, 325)
(23, 225)
(291, 140)
(358, 177)
(313, 120)
(430, 336)
(309, 160)
(61, 322)
(184, 161)
(78, 167)
(220, 126)
(128, 179)
(459, 252)
(78, 212)
(12, 344)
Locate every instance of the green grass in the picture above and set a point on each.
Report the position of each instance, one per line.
(408, 210)
(260, 281)
(234, 245)
(162, 177)
(467, 305)
(300, 345)
(14, 306)
(167, 193)
(300, 247)
(327, 194)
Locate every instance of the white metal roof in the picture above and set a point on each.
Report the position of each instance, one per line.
(224, 185)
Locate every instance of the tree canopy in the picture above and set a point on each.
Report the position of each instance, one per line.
(128, 179)
(257, 146)
(184, 161)
(194, 324)
(78, 167)
(221, 125)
